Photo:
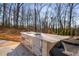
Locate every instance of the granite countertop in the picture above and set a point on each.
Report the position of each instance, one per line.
(47, 37)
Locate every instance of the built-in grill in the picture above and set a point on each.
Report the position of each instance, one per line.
(40, 43)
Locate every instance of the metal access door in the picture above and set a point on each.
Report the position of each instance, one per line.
(37, 46)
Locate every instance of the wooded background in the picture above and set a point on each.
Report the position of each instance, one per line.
(55, 18)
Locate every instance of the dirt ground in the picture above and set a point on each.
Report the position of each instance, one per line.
(10, 43)
(10, 34)
(11, 48)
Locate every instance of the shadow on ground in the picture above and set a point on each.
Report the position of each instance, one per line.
(20, 50)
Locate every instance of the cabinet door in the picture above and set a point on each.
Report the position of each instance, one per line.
(37, 46)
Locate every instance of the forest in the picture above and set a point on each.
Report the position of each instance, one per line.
(53, 18)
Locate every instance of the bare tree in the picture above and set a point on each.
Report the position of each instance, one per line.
(10, 15)
(4, 13)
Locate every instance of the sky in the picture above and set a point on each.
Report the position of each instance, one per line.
(45, 9)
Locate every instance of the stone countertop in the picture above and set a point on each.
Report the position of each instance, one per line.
(47, 37)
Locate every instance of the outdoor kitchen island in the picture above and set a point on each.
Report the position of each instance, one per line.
(40, 43)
